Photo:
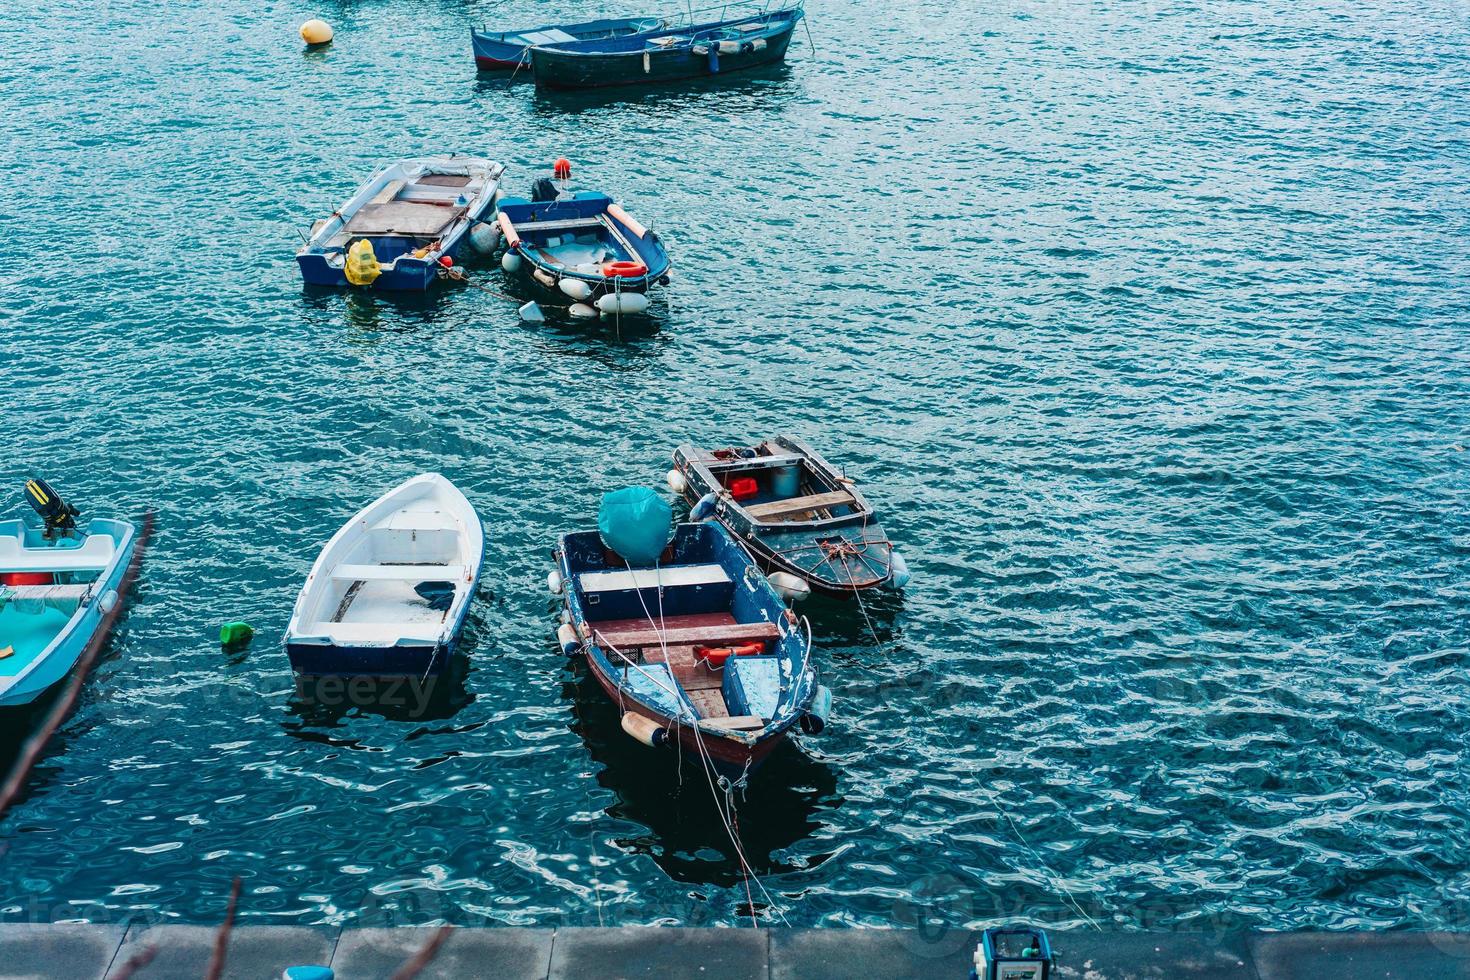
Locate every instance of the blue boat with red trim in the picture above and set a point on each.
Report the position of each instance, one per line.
(687, 638)
(583, 244)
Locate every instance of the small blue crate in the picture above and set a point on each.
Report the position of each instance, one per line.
(1012, 954)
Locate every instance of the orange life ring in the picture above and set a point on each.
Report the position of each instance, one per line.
(626, 270)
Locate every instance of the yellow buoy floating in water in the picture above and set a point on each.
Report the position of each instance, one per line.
(315, 32)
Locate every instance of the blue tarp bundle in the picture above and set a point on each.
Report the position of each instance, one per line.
(636, 523)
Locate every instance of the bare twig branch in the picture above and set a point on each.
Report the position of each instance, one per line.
(135, 963)
(424, 956)
(36, 744)
(222, 937)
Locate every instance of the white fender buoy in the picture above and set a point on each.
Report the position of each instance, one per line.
(901, 573)
(544, 278)
(575, 288)
(676, 481)
(108, 602)
(622, 303)
(582, 310)
(645, 730)
(789, 586)
(315, 32)
(484, 237)
(815, 717)
(510, 262)
(553, 581)
(567, 637)
(704, 507)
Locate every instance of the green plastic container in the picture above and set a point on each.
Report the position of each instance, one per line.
(235, 634)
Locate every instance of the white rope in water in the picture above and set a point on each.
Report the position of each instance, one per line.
(707, 764)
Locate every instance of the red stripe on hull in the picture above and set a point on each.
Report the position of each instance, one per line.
(494, 64)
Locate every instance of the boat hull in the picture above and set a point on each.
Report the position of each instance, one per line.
(400, 660)
(566, 69)
(729, 758)
(407, 275)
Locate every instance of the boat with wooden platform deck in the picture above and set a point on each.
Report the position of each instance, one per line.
(698, 649)
(403, 225)
(796, 512)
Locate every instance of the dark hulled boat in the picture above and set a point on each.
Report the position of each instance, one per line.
(795, 511)
(702, 50)
(697, 649)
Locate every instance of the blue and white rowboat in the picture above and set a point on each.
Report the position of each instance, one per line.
(45, 629)
(389, 594)
(412, 214)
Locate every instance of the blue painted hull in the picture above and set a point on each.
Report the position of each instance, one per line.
(407, 275)
(325, 660)
(704, 51)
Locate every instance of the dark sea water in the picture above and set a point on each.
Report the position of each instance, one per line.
(1143, 324)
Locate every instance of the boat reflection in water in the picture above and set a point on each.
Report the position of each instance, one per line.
(673, 798)
(319, 703)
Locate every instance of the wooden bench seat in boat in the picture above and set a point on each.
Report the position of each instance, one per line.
(779, 509)
(444, 180)
(730, 634)
(398, 573)
(647, 578)
(755, 462)
(558, 224)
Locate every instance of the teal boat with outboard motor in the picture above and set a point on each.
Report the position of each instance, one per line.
(62, 586)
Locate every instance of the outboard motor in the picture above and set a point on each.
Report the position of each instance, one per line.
(59, 515)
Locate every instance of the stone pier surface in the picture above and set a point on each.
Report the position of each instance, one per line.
(578, 953)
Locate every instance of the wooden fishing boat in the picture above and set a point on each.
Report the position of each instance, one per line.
(389, 593)
(405, 227)
(698, 649)
(61, 588)
(795, 511)
(584, 245)
(702, 50)
(507, 50)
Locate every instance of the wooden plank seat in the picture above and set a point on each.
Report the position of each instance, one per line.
(754, 463)
(670, 576)
(778, 509)
(558, 224)
(739, 723)
(398, 573)
(730, 634)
